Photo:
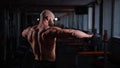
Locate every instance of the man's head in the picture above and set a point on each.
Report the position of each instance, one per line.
(47, 15)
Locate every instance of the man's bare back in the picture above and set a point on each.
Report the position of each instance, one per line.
(43, 46)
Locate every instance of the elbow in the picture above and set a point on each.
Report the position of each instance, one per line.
(75, 34)
(23, 33)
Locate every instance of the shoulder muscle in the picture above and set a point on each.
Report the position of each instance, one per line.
(25, 32)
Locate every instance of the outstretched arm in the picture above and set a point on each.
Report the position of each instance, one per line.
(65, 33)
(73, 33)
(81, 34)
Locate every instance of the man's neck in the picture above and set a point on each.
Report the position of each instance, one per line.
(44, 24)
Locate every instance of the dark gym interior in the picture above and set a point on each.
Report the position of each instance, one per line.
(99, 17)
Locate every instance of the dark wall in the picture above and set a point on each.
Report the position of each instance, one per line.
(1, 35)
(114, 47)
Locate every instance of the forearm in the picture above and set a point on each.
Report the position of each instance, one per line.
(80, 34)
